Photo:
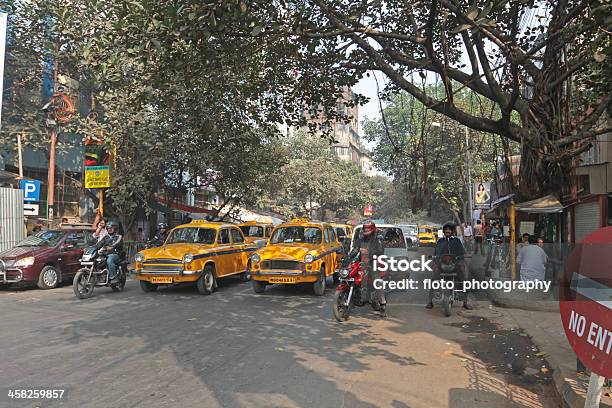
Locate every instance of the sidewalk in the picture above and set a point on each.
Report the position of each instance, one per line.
(537, 315)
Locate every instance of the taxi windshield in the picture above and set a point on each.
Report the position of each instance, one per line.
(308, 235)
(424, 230)
(252, 230)
(192, 236)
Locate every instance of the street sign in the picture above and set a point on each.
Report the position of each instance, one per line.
(482, 195)
(31, 190)
(30, 209)
(97, 177)
(586, 301)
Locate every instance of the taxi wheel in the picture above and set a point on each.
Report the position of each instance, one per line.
(246, 275)
(258, 286)
(206, 283)
(319, 286)
(148, 286)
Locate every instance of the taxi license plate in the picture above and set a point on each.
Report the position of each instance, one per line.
(283, 280)
(161, 279)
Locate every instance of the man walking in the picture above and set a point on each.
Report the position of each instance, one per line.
(468, 236)
(478, 236)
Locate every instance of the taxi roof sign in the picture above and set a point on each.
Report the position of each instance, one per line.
(302, 219)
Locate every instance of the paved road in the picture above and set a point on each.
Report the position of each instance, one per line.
(175, 348)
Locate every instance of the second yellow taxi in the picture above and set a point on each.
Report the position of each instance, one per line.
(299, 251)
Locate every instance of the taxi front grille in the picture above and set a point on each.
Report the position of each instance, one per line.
(168, 269)
(282, 264)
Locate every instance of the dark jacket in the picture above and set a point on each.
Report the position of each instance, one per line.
(114, 244)
(367, 247)
(449, 246)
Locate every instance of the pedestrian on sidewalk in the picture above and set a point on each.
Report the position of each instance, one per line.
(478, 236)
(468, 236)
(533, 260)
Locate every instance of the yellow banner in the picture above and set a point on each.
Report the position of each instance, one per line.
(97, 177)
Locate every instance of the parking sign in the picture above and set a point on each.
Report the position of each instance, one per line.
(31, 190)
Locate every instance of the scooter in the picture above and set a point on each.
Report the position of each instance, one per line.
(353, 290)
(95, 274)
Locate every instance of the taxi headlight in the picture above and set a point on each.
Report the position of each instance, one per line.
(344, 273)
(256, 258)
(139, 257)
(24, 262)
(309, 258)
(188, 258)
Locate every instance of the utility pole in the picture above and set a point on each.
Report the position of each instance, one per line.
(3, 24)
(467, 161)
(53, 136)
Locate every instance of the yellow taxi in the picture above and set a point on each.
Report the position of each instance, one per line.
(300, 251)
(344, 232)
(427, 235)
(200, 252)
(256, 232)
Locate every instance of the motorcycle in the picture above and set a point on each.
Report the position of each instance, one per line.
(353, 290)
(448, 265)
(95, 274)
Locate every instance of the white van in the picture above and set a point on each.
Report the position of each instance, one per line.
(392, 237)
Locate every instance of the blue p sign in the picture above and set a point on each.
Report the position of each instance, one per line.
(31, 190)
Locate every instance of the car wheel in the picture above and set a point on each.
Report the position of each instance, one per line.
(246, 275)
(48, 278)
(206, 283)
(319, 286)
(258, 286)
(147, 286)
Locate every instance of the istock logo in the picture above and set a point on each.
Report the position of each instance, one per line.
(384, 263)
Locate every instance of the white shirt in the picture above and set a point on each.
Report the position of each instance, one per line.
(533, 261)
(467, 231)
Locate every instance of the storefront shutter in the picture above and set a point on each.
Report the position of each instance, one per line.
(587, 219)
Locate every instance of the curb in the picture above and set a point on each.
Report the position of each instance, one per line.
(536, 305)
(571, 393)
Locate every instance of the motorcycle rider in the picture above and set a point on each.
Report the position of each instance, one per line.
(368, 245)
(450, 245)
(113, 247)
(160, 235)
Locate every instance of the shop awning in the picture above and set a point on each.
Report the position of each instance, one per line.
(544, 205)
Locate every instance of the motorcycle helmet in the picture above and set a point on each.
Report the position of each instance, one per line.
(369, 228)
(162, 225)
(112, 224)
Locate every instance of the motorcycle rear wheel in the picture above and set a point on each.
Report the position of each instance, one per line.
(341, 310)
(118, 287)
(81, 288)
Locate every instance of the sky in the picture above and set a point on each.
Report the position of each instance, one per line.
(367, 87)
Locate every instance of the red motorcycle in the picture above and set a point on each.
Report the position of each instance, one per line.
(353, 290)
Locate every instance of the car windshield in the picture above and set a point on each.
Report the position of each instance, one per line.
(43, 238)
(252, 231)
(424, 230)
(411, 230)
(285, 235)
(192, 236)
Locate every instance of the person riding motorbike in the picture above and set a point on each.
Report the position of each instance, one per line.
(160, 235)
(113, 248)
(450, 245)
(368, 245)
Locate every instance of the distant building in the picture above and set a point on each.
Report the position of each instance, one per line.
(348, 144)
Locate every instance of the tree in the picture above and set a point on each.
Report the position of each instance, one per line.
(539, 62)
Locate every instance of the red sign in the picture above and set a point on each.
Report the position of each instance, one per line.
(368, 210)
(586, 301)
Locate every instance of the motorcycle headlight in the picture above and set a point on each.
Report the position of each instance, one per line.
(255, 257)
(309, 258)
(188, 258)
(86, 257)
(139, 257)
(24, 262)
(344, 273)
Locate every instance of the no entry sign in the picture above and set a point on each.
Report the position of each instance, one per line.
(586, 301)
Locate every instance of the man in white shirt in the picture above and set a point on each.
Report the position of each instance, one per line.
(533, 261)
(468, 235)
